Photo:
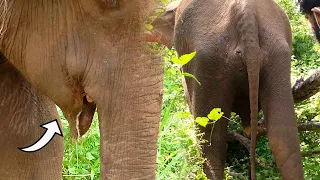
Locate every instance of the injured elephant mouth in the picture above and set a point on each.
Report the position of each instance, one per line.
(80, 119)
(85, 117)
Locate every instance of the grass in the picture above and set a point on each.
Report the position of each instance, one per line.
(81, 158)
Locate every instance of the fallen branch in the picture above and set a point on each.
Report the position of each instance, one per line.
(310, 126)
(304, 89)
(310, 153)
(247, 143)
(243, 140)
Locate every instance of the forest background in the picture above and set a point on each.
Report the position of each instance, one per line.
(179, 155)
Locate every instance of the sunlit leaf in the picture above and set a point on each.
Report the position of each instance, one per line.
(176, 60)
(159, 11)
(187, 58)
(89, 156)
(215, 114)
(148, 26)
(203, 121)
(192, 76)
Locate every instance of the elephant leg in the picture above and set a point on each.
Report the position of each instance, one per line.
(278, 108)
(129, 102)
(22, 110)
(242, 108)
(204, 98)
(215, 150)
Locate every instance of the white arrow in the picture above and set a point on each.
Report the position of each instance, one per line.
(52, 129)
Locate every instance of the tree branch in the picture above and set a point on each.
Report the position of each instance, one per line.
(303, 89)
(247, 143)
(310, 126)
(243, 140)
(309, 153)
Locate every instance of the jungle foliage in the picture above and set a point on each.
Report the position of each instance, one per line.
(179, 155)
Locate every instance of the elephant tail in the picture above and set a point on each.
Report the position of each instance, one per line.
(248, 30)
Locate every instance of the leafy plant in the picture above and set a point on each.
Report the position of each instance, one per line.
(213, 116)
(179, 155)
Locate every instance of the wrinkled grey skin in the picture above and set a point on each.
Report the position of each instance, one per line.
(243, 63)
(22, 110)
(79, 52)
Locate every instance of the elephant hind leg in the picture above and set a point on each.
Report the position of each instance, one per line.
(278, 108)
(215, 147)
(242, 108)
(215, 150)
(282, 133)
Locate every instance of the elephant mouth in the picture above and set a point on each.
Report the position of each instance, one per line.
(80, 115)
(85, 117)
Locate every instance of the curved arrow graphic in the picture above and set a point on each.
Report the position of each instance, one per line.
(52, 129)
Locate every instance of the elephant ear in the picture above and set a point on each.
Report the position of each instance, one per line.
(163, 26)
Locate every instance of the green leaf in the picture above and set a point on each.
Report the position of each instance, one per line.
(148, 26)
(159, 11)
(215, 114)
(192, 76)
(89, 156)
(187, 58)
(176, 60)
(203, 121)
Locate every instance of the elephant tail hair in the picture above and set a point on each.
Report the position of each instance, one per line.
(248, 30)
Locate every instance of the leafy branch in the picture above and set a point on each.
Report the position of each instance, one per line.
(183, 60)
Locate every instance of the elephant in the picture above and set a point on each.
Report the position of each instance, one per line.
(311, 9)
(243, 56)
(85, 55)
(19, 125)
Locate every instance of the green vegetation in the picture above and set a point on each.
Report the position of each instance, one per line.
(82, 158)
(179, 155)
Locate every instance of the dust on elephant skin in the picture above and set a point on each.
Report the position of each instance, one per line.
(88, 54)
(243, 64)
